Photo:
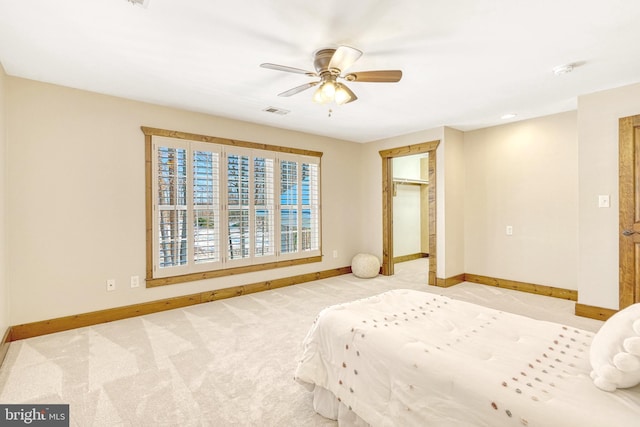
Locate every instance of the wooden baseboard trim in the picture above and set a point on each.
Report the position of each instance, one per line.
(4, 345)
(549, 291)
(60, 324)
(410, 257)
(450, 281)
(593, 312)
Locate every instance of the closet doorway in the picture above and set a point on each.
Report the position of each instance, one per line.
(410, 207)
(388, 156)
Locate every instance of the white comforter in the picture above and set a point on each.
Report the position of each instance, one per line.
(409, 358)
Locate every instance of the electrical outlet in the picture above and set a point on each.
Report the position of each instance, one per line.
(111, 285)
(335, 253)
(135, 281)
(509, 230)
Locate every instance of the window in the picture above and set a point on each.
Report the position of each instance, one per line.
(223, 207)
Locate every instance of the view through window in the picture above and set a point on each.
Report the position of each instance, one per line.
(216, 207)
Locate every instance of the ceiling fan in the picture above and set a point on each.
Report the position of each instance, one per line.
(330, 65)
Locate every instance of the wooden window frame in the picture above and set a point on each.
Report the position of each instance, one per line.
(151, 280)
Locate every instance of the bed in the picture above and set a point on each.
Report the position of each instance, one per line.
(410, 358)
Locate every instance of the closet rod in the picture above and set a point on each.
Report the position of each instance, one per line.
(410, 181)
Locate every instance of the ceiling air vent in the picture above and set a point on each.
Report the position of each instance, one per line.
(275, 110)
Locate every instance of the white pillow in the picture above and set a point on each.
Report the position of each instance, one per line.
(615, 351)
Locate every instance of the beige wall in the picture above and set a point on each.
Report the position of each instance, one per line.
(407, 227)
(525, 175)
(598, 116)
(407, 218)
(454, 205)
(76, 198)
(4, 288)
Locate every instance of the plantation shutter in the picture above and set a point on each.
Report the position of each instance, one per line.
(206, 207)
(299, 213)
(264, 204)
(217, 206)
(170, 207)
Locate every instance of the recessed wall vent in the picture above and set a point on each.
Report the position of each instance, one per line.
(275, 110)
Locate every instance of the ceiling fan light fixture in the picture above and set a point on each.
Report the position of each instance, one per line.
(343, 95)
(319, 97)
(328, 89)
(331, 91)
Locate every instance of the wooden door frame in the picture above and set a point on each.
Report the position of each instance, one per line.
(629, 199)
(387, 204)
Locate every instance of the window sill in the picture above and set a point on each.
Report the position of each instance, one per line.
(172, 280)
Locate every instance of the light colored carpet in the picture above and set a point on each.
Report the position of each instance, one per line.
(224, 363)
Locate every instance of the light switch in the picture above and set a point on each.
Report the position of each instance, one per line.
(603, 201)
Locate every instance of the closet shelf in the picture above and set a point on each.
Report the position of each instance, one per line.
(410, 181)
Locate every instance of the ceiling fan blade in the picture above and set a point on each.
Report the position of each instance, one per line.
(298, 89)
(344, 57)
(379, 76)
(288, 69)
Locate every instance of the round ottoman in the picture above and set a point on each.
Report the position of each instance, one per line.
(365, 266)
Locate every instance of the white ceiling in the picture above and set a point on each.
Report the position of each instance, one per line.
(465, 62)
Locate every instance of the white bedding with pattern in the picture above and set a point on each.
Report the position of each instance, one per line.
(409, 358)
